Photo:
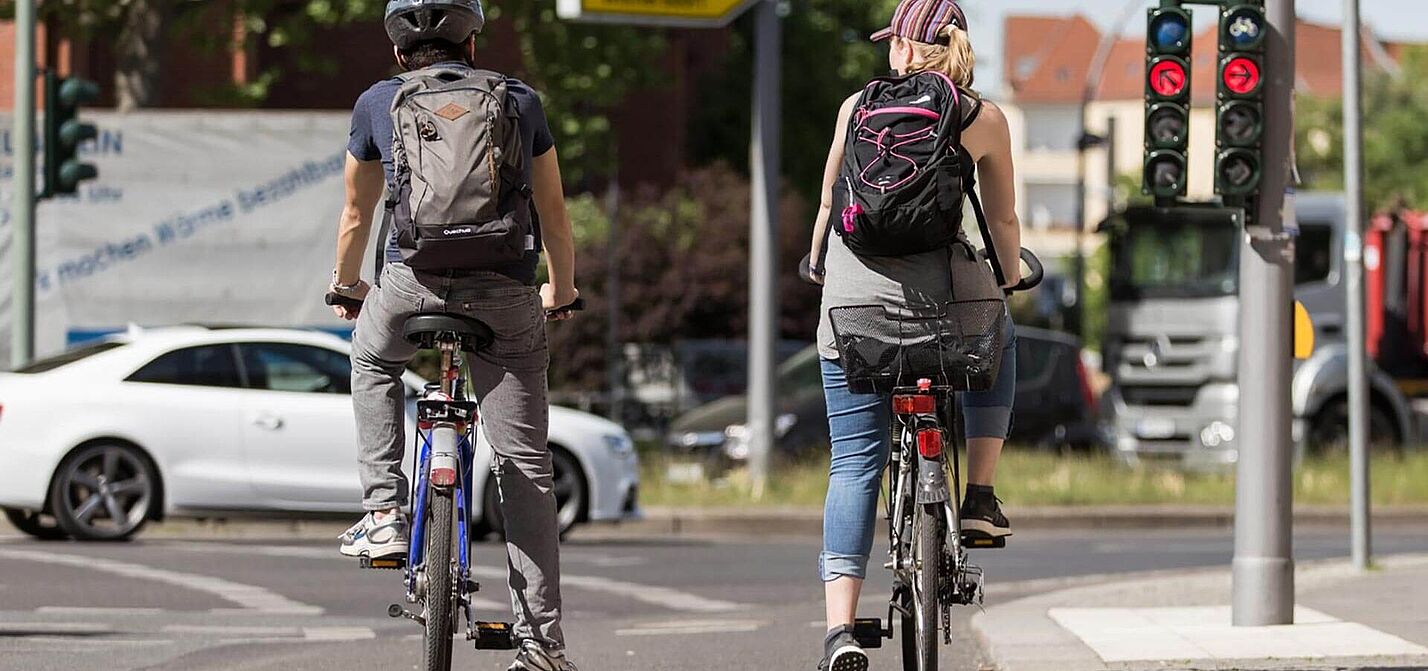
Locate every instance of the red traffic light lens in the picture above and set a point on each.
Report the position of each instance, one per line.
(1168, 78)
(1240, 75)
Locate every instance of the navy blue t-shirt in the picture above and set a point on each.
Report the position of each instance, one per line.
(371, 139)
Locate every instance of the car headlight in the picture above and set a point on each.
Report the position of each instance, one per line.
(619, 444)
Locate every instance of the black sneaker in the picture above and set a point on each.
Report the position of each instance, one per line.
(841, 652)
(982, 518)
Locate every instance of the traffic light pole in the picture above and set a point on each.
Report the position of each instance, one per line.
(763, 262)
(22, 208)
(1263, 566)
(1354, 280)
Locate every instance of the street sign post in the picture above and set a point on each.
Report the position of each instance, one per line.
(764, 162)
(1354, 284)
(675, 13)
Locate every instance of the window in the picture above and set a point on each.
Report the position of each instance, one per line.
(1313, 253)
(68, 357)
(207, 366)
(296, 368)
(1052, 127)
(1051, 205)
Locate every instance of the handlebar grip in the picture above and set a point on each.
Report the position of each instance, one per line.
(575, 306)
(1033, 279)
(344, 301)
(805, 269)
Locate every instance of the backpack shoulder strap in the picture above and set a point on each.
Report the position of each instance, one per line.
(969, 172)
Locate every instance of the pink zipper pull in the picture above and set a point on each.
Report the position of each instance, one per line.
(850, 216)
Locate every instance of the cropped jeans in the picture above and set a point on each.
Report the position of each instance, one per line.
(861, 429)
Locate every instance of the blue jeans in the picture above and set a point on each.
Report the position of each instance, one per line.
(861, 429)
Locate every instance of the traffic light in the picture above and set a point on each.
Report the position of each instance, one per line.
(1239, 108)
(64, 132)
(1167, 95)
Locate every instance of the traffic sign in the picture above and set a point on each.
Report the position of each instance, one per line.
(1241, 75)
(678, 13)
(1168, 78)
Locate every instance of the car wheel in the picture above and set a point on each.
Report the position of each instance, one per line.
(1329, 433)
(104, 492)
(570, 495)
(35, 524)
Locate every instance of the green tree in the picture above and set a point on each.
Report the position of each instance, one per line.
(1395, 136)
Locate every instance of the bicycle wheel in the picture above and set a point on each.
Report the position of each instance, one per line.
(928, 561)
(439, 597)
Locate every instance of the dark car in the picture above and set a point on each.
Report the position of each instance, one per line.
(1054, 408)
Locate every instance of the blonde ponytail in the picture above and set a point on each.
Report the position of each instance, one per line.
(956, 59)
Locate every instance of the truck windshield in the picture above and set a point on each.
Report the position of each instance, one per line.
(1174, 261)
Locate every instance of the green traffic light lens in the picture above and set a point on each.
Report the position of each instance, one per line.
(1241, 125)
(1167, 127)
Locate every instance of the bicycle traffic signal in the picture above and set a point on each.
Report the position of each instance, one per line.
(1239, 127)
(64, 132)
(1167, 95)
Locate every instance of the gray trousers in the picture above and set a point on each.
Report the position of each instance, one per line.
(510, 384)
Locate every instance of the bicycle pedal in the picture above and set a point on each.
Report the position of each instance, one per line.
(983, 542)
(869, 632)
(472, 587)
(389, 563)
(493, 636)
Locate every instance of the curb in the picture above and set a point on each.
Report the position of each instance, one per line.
(1019, 635)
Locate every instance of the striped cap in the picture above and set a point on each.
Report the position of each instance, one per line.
(921, 20)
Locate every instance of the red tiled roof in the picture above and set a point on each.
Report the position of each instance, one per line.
(1046, 61)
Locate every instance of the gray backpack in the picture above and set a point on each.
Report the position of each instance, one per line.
(461, 201)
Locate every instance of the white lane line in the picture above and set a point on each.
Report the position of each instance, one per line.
(247, 596)
(338, 633)
(665, 597)
(99, 611)
(69, 643)
(223, 630)
(689, 627)
(659, 596)
(13, 628)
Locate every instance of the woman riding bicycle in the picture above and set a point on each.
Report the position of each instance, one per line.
(924, 36)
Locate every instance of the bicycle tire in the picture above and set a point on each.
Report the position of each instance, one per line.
(928, 557)
(439, 610)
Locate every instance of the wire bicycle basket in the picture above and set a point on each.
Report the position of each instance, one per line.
(957, 346)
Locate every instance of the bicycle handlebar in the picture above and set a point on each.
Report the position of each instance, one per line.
(344, 301)
(576, 306)
(1032, 280)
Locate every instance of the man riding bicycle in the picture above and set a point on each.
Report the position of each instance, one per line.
(484, 162)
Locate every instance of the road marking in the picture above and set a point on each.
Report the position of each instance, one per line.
(25, 628)
(666, 597)
(659, 596)
(251, 597)
(100, 611)
(338, 633)
(225, 630)
(689, 627)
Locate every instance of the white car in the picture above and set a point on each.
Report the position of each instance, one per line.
(192, 421)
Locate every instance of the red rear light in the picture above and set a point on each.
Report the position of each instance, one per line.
(929, 443)
(1087, 394)
(443, 477)
(914, 404)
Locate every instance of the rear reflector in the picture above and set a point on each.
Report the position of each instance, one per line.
(915, 404)
(929, 443)
(443, 477)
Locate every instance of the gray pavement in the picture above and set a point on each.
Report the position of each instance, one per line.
(236, 600)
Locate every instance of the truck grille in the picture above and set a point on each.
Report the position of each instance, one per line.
(1157, 395)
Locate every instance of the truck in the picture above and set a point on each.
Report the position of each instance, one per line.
(1171, 343)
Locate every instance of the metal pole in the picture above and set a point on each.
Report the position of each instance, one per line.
(763, 242)
(1263, 563)
(615, 357)
(1354, 264)
(1111, 170)
(22, 208)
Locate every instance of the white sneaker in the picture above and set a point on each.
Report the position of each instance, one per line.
(370, 537)
(534, 657)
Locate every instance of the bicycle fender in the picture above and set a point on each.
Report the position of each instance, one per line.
(931, 481)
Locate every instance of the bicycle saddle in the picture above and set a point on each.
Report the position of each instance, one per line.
(427, 329)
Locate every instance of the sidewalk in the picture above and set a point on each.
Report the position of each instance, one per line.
(1344, 620)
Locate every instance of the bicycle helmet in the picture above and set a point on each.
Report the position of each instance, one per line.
(411, 22)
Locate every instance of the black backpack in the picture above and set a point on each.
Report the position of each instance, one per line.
(904, 173)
